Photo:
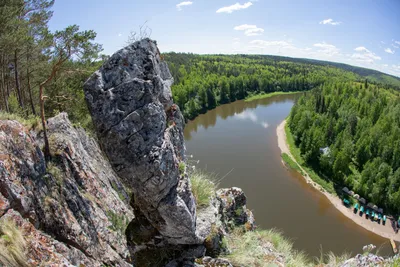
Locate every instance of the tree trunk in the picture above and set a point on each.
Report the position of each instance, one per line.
(17, 85)
(42, 116)
(29, 84)
(3, 83)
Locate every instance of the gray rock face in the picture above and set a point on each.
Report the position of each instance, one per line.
(369, 260)
(77, 209)
(227, 210)
(141, 132)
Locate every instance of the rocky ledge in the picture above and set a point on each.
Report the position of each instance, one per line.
(73, 209)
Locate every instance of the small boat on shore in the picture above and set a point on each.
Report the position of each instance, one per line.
(394, 247)
(356, 207)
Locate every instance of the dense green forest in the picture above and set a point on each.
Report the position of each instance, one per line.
(360, 123)
(203, 82)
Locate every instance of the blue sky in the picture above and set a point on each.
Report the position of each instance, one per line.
(362, 33)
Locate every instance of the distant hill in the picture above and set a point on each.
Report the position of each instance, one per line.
(362, 73)
(371, 75)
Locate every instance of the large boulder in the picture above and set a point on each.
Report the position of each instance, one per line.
(75, 203)
(141, 132)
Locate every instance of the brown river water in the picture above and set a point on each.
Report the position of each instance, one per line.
(238, 142)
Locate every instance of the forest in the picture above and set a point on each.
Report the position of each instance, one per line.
(350, 133)
(203, 82)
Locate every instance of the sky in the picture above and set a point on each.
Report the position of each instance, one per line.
(361, 33)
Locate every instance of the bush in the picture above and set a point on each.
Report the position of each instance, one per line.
(12, 245)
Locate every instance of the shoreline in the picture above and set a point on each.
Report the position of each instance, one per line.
(385, 231)
(271, 94)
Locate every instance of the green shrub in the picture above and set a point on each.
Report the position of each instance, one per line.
(12, 245)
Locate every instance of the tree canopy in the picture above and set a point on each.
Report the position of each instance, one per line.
(360, 124)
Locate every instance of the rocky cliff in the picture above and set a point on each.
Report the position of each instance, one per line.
(73, 209)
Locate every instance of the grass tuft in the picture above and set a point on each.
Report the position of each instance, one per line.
(12, 245)
(252, 249)
(30, 122)
(330, 259)
(203, 187)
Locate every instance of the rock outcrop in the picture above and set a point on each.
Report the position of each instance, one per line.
(227, 211)
(73, 211)
(141, 132)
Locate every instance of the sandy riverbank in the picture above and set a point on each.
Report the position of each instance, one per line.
(379, 229)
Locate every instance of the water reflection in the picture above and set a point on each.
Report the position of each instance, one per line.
(240, 109)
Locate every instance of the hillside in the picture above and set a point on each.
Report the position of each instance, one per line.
(361, 73)
(203, 82)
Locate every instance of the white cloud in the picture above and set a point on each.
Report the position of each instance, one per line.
(327, 49)
(249, 30)
(330, 22)
(264, 44)
(396, 70)
(254, 32)
(247, 115)
(252, 116)
(244, 27)
(397, 42)
(361, 49)
(390, 51)
(235, 7)
(365, 55)
(181, 4)
(119, 34)
(395, 46)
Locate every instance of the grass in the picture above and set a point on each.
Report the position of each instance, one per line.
(118, 222)
(30, 122)
(12, 245)
(266, 95)
(289, 162)
(330, 259)
(203, 187)
(56, 172)
(251, 249)
(182, 167)
(295, 151)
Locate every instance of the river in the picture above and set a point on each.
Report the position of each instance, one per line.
(238, 142)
